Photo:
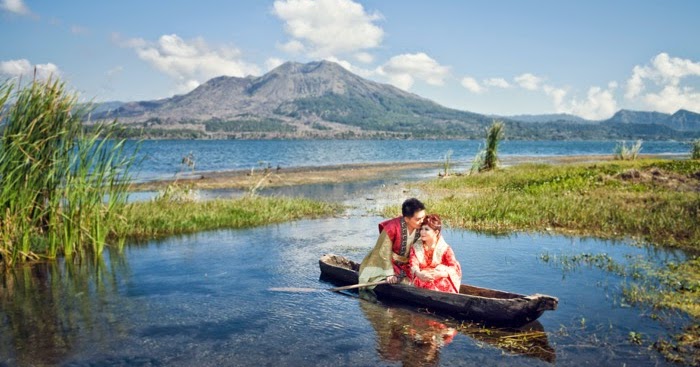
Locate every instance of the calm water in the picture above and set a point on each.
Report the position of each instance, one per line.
(162, 158)
(205, 300)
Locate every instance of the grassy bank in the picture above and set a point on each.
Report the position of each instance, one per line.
(160, 218)
(652, 201)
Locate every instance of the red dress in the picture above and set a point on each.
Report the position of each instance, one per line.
(442, 259)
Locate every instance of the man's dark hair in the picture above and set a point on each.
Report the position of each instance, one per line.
(411, 206)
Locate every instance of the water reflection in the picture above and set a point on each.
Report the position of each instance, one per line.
(47, 309)
(407, 337)
(415, 338)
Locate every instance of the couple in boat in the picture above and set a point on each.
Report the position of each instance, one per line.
(411, 250)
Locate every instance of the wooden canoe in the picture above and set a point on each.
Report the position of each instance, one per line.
(485, 305)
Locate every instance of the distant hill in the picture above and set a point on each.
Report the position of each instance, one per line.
(556, 117)
(324, 100)
(682, 120)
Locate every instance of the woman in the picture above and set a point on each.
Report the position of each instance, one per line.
(433, 264)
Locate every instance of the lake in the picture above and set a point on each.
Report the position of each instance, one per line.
(163, 158)
(208, 299)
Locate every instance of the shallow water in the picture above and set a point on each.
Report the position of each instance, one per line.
(206, 300)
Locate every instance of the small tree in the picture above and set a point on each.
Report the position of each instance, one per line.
(487, 159)
(695, 152)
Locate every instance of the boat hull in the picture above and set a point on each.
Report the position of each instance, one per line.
(478, 304)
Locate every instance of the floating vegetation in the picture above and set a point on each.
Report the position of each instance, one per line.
(530, 340)
(670, 286)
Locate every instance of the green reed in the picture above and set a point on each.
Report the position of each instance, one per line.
(487, 159)
(60, 187)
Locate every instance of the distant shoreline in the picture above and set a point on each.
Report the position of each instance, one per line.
(246, 179)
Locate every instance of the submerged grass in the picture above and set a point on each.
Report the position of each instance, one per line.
(160, 218)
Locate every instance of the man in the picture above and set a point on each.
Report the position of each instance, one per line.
(389, 258)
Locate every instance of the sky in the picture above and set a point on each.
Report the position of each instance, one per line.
(500, 57)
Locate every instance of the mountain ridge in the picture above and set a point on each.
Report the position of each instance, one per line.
(321, 99)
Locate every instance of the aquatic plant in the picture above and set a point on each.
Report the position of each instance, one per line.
(60, 187)
(623, 152)
(446, 165)
(487, 159)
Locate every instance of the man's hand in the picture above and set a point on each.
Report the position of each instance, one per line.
(392, 279)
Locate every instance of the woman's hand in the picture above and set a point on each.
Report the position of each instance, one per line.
(425, 276)
(392, 279)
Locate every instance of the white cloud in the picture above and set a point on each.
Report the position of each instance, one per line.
(471, 84)
(364, 57)
(115, 71)
(328, 28)
(76, 29)
(497, 82)
(22, 68)
(475, 87)
(272, 63)
(14, 6)
(403, 70)
(673, 98)
(351, 68)
(189, 62)
(292, 47)
(599, 104)
(557, 94)
(528, 81)
(659, 85)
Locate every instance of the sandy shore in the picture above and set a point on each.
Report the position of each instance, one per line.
(244, 179)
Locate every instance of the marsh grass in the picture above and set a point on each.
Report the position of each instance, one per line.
(654, 201)
(162, 218)
(623, 152)
(60, 187)
(669, 286)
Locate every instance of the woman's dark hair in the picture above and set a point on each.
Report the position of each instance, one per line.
(411, 206)
(433, 221)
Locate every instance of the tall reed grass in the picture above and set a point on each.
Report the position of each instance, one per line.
(487, 159)
(61, 189)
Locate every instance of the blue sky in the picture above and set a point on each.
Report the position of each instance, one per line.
(587, 58)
